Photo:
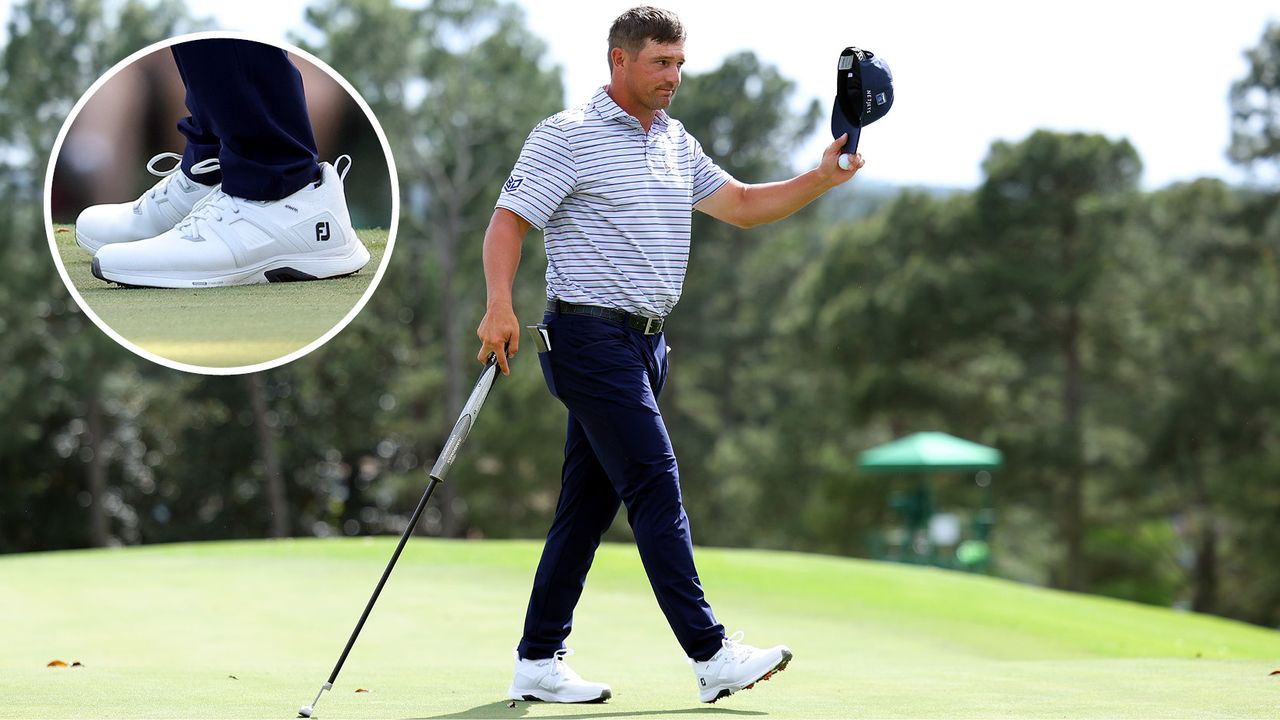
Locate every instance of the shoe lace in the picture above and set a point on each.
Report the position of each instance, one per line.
(737, 651)
(211, 208)
(561, 668)
(217, 202)
(342, 168)
(201, 168)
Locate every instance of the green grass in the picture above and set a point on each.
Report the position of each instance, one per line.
(252, 629)
(221, 327)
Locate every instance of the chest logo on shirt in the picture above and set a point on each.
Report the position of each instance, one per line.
(662, 156)
(512, 184)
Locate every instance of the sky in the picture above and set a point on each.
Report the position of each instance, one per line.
(969, 73)
(965, 74)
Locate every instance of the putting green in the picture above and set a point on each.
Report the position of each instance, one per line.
(221, 327)
(252, 629)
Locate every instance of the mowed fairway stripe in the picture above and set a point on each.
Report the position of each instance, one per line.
(226, 353)
(162, 630)
(222, 327)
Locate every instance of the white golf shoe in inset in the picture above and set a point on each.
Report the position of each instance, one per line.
(227, 240)
(158, 210)
(737, 667)
(552, 680)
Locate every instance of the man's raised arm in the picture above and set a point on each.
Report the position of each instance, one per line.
(749, 205)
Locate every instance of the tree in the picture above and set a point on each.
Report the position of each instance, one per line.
(422, 71)
(889, 323)
(63, 393)
(1211, 427)
(1049, 212)
(1255, 104)
(264, 422)
(740, 113)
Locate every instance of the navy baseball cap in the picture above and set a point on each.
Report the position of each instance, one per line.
(864, 93)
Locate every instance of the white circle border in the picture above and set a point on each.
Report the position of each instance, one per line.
(238, 369)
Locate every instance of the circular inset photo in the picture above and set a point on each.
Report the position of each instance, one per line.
(219, 204)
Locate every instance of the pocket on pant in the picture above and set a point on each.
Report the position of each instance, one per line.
(544, 359)
(580, 335)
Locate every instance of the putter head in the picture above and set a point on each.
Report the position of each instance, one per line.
(307, 711)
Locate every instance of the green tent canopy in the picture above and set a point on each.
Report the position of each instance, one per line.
(929, 451)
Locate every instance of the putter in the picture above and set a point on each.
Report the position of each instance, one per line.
(488, 377)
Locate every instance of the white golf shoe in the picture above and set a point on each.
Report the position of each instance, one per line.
(158, 210)
(552, 680)
(737, 667)
(227, 240)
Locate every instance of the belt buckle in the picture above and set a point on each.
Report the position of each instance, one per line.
(648, 325)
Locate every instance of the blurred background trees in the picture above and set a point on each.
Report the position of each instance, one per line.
(1119, 346)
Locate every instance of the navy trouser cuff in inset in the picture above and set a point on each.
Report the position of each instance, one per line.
(201, 146)
(248, 109)
(617, 451)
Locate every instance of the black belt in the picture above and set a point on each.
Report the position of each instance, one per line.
(643, 323)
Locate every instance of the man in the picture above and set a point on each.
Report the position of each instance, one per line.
(612, 185)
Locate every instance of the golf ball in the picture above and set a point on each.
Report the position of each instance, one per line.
(846, 161)
(305, 711)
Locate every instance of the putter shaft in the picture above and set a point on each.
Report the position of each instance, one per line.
(459, 433)
(404, 538)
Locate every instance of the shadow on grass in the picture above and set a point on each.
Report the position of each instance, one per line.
(503, 709)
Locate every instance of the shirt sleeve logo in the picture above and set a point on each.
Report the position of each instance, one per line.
(512, 184)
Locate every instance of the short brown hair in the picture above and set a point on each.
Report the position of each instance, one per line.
(640, 24)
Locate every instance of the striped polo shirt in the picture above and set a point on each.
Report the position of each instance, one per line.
(615, 204)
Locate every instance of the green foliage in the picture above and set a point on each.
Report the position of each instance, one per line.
(1134, 562)
(1255, 103)
(719, 423)
(1212, 294)
(1048, 211)
(1049, 214)
(420, 70)
(56, 363)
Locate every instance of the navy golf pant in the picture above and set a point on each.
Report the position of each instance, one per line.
(617, 452)
(249, 111)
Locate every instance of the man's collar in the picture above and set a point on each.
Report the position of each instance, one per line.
(609, 109)
(606, 106)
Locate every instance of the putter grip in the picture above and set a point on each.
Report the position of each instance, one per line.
(462, 427)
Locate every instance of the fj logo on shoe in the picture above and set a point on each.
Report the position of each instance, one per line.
(702, 682)
(322, 231)
(512, 184)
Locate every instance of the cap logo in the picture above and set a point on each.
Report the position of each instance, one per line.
(846, 62)
(880, 99)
